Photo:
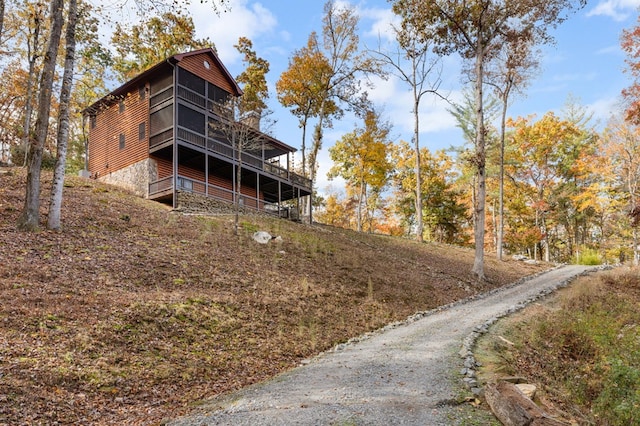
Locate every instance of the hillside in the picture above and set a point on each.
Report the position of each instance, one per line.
(133, 313)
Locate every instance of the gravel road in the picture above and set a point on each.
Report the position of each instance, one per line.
(402, 375)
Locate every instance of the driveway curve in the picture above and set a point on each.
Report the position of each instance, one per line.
(402, 375)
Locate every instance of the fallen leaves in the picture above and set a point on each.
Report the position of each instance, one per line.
(132, 313)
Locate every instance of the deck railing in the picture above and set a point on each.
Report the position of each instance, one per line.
(194, 186)
(161, 185)
(248, 159)
(225, 149)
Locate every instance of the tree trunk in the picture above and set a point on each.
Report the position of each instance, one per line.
(359, 210)
(315, 149)
(513, 408)
(636, 254)
(55, 204)
(30, 218)
(416, 140)
(32, 53)
(2, 6)
(303, 148)
(236, 218)
(478, 261)
(503, 120)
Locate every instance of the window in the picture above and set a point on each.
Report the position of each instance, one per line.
(142, 91)
(185, 184)
(92, 121)
(215, 130)
(121, 140)
(142, 131)
(161, 84)
(121, 106)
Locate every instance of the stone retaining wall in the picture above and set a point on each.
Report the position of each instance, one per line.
(189, 202)
(135, 178)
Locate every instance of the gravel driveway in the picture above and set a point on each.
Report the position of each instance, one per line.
(403, 375)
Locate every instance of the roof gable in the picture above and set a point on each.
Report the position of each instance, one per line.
(210, 60)
(180, 59)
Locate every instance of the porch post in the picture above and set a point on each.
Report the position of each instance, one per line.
(279, 197)
(175, 137)
(258, 191)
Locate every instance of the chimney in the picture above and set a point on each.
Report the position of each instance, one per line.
(252, 119)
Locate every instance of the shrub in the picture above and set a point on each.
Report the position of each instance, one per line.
(589, 257)
(18, 152)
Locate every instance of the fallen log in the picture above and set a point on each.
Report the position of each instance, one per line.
(513, 408)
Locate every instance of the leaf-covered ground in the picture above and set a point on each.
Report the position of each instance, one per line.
(134, 313)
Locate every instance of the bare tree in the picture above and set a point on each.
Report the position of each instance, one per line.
(30, 217)
(55, 203)
(417, 75)
(239, 128)
(510, 70)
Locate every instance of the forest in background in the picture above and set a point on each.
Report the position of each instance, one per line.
(552, 187)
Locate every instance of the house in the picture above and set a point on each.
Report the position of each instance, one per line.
(156, 135)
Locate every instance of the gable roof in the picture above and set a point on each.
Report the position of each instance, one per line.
(117, 94)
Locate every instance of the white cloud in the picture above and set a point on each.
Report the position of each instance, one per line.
(609, 49)
(383, 21)
(244, 19)
(603, 108)
(575, 77)
(618, 10)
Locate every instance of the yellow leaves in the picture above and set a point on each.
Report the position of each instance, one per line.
(361, 157)
(304, 85)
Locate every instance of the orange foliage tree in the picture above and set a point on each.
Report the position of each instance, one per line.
(630, 43)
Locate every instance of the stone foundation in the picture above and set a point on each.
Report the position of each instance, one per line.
(189, 202)
(135, 178)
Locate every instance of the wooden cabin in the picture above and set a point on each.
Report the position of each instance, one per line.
(155, 135)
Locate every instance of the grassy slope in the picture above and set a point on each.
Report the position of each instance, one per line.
(132, 313)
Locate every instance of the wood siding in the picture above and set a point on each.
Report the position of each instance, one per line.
(105, 153)
(195, 65)
(165, 167)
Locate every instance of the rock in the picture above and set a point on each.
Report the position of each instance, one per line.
(477, 391)
(513, 379)
(527, 389)
(262, 237)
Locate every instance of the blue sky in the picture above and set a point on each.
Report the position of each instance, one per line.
(586, 63)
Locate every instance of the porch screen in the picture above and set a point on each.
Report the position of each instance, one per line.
(191, 81)
(191, 119)
(161, 120)
(157, 86)
(216, 94)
